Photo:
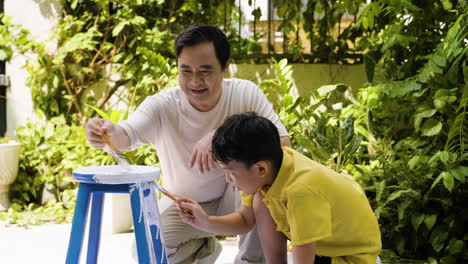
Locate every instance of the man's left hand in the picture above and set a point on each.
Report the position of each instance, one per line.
(202, 157)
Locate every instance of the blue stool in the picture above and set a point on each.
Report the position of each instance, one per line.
(138, 181)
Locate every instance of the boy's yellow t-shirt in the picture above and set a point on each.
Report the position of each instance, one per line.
(312, 203)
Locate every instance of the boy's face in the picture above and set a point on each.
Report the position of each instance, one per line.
(247, 180)
(201, 75)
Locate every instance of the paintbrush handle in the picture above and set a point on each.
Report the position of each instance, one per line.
(165, 192)
(168, 194)
(109, 142)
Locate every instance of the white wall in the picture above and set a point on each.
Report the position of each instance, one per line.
(38, 17)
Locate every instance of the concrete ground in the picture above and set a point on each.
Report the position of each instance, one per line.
(48, 244)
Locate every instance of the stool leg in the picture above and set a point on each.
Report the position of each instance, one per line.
(139, 226)
(79, 224)
(95, 227)
(155, 224)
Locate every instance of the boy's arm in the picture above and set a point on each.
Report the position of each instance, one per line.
(232, 224)
(304, 253)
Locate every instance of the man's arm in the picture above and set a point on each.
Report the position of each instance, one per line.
(285, 141)
(304, 253)
(232, 224)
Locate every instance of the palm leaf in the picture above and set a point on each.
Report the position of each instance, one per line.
(457, 140)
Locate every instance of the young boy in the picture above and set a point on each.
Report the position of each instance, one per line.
(290, 197)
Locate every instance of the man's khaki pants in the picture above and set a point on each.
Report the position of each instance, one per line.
(186, 244)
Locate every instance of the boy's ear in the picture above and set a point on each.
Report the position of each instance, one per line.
(263, 168)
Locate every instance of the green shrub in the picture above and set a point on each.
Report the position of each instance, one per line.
(415, 184)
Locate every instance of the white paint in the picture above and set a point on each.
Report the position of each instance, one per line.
(115, 174)
(149, 212)
(38, 17)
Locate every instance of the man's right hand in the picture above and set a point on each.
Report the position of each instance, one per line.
(96, 127)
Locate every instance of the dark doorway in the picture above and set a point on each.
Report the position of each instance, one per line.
(2, 90)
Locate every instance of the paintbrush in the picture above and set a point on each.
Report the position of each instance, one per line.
(118, 156)
(165, 192)
(170, 195)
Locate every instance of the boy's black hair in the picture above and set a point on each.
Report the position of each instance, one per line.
(247, 138)
(200, 33)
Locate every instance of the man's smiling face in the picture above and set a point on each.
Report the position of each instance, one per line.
(201, 75)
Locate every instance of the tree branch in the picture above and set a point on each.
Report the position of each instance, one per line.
(75, 103)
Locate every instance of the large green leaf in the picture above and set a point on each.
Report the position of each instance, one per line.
(402, 209)
(417, 161)
(438, 238)
(431, 127)
(459, 173)
(430, 220)
(426, 113)
(444, 156)
(326, 89)
(439, 60)
(448, 260)
(455, 246)
(416, 220)
(117, 29)
(436, 181)
(100, 112)
(448, 181)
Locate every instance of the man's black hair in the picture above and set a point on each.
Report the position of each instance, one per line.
(200, 33)
(247, 138)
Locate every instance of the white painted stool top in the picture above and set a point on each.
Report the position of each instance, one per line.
(115, 174)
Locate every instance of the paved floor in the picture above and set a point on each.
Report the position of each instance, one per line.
(48, 244)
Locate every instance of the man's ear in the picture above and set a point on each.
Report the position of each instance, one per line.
(226, 67)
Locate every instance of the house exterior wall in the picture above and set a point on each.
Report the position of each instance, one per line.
(38, 17)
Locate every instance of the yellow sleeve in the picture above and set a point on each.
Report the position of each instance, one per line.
(309, 218)
(246, 199)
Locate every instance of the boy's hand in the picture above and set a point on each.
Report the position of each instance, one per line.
(192, 213)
